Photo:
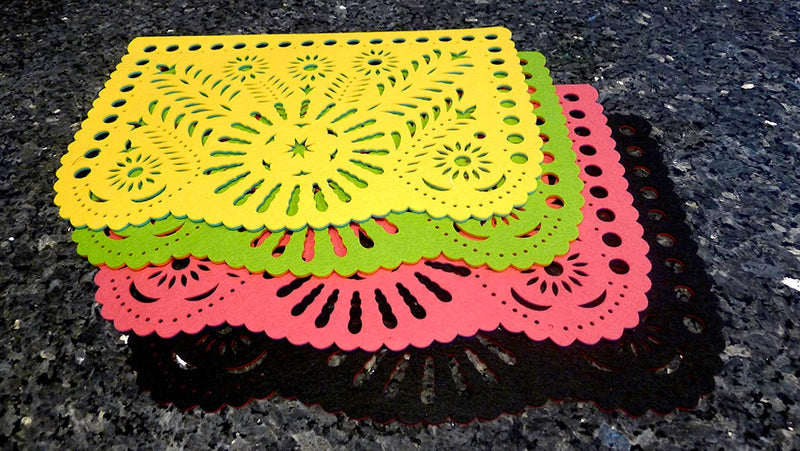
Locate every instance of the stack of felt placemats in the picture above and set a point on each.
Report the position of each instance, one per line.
(353, 193)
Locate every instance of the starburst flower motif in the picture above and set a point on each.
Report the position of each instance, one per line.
(310, 68)
(323, 158)
(462, 161)
(567, 274)
(245, 68)
(375, 62)
(178, 271)
(181, 278)
(299, 148)
(137, 173)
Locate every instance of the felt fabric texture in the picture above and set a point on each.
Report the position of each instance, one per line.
(717, 83)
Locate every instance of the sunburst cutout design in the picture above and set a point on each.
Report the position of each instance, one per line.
(376, 62)
(137, 172)
(462, 161)
(244, 68)
(311, 68)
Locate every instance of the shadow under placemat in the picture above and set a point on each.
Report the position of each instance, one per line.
(667, 362)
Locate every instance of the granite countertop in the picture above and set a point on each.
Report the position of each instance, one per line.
(719, 82)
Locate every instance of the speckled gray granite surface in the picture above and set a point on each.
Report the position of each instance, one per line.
(719, 81)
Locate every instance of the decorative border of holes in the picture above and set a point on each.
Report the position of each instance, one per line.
(308, 40)
(665, 363)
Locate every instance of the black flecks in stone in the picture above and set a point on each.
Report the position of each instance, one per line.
(717, 84)
(786, 399)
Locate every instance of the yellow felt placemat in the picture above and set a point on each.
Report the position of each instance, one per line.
(289, 131)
